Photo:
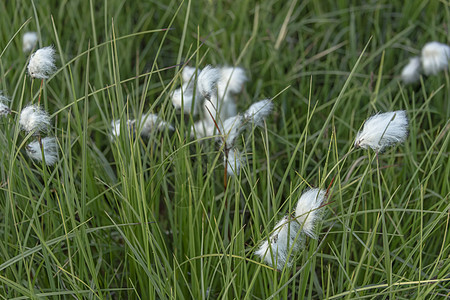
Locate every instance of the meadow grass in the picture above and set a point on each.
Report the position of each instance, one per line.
(134, 218)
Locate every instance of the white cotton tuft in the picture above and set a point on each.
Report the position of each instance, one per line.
(231, 129)
(184, 96)
(411, 72)
(284, 239)
(259, 111)
(232, 80)
(34, 118)
(29, 41)
(150, 122)
(42, 63)
(383, 130)
(234, 162)
(435, 57)
(308, 211)
(4, 109)
(203, 128)
(50, 149)
(207, 81)
(115, 128)
(188, 73)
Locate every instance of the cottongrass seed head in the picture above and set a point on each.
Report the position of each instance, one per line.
(183, 97)
(285, 239)
(42, 63)
(259, 111)
(188, 73)
(49, 147)
(207, 81)
(232, 80)
(231, 129)
(411, 72)
(234, 162)
(34, 119)
(116, 128)
(435, 57)
(308, 211)
(29, 41)
(150, 122)
(383, 130)
(4, 108)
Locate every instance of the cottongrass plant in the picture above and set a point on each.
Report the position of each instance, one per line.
(49, 150)
(29, 41)
(210, 91)
(411, 72)
(233, 127)
(434, 59)
(42, 63)
(148, 124)
(289, 233)
(34, 119)
(383, 130)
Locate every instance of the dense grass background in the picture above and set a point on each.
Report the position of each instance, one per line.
(151, 219)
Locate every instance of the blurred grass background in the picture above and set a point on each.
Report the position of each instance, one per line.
(151, 219)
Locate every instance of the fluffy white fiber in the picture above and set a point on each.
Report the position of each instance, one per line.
(29, 41)
(289, 233)
(435, 58)
(50, 149)
(184, 97)
(231, 129)
(259, 111)
(42, 63)
(34, 118)
(383, 130)
(207, 81)
(411, 72)
(4, 109)
(150, 122)
(284, 239)
(307, 211)
(234, 162)
(232, 80)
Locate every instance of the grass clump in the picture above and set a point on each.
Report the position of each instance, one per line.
(156, 216)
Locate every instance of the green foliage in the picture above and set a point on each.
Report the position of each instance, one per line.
(134, 218)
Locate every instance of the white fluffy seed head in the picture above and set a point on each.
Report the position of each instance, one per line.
(42, 63)
(29, 41)
(284, 239)
(231, 129)
(234, 162)
(49, 147)
(184, 96)
(115, 128)
(383, 130)
(4, 108)
(188, 73)
(259, 111)
(435, 58)
(232, 80)
(411, 72)
(207, 81)
(150, 122)
(203, 128)
(308, 211)
(34, 119)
